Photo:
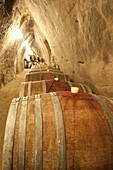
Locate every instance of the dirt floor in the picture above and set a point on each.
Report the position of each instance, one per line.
(7, 93)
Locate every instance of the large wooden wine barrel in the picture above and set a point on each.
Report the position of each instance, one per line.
(45, 86)
(46, 76)
(59, 131)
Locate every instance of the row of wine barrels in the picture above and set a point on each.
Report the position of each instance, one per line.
(46, 76)
(46, 86)
(59, 131)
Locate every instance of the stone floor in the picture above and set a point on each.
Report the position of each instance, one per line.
(7, 93)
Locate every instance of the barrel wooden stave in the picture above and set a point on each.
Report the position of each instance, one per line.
(46, 76)
(76, 132)
(46, 86)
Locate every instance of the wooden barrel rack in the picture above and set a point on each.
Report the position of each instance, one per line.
(49, 127)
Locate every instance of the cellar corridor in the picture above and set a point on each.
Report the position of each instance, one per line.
(57, 57)
(49, 117)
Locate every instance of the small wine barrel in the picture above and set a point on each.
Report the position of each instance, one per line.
(46, 86)
(59, 131)
(46, 76)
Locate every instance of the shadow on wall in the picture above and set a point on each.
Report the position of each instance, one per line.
(9, 5)
(48, 49)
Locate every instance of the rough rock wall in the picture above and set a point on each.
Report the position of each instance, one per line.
(80, 37)
(7, 48)
(6, 61)
(77, 34)
(11, 50)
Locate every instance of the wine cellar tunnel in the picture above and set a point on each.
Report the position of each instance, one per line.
(47, 48)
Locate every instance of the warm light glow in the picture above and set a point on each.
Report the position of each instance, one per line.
(56, 78)
(26, 44)
(15, 34)
(28, 51)
(48, 70)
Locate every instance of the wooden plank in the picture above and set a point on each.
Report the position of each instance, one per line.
(38, 134)
(61, 138)
(9, 135)
(22, 134)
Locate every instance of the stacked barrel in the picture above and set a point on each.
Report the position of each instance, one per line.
(51, 127)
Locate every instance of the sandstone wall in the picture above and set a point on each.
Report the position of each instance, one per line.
(6, 55)
(11, 50)
(80, 37)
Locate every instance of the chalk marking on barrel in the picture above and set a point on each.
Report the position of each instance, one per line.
(106, 111)
(44, 86)
(22, 89)
(22, 134)
(29, 88)
(61, 139)
(38, 134)
(9, 135)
